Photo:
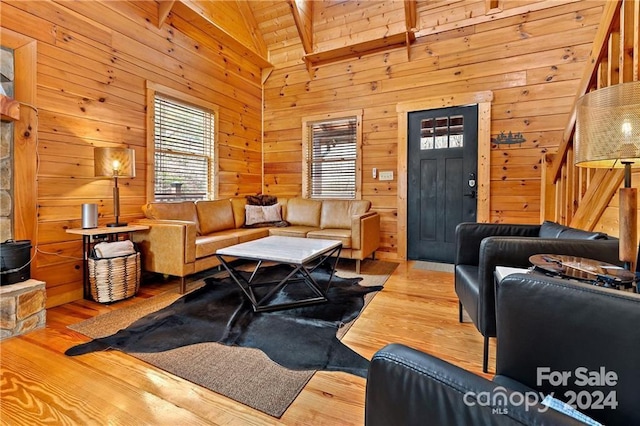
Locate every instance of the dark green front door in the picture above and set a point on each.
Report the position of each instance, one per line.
(441, 182)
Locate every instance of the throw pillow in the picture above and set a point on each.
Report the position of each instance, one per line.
(261, 200)
(262, 214)
(272, 213)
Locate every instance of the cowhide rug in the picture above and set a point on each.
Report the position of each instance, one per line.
(302, 338)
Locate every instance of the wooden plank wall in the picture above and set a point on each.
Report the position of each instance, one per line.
(530, 57)
(93, 59)
(340, 24)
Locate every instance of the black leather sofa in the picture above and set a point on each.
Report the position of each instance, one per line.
(543, 323)
(480, 247)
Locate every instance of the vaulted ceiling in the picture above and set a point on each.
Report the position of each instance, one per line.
(285, 32)
(277, 31)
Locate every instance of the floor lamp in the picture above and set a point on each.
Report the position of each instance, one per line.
(608, 135)
(115, 163)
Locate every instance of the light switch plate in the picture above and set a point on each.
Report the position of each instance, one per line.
(386, 175)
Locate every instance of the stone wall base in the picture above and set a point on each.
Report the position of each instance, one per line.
(22, 308)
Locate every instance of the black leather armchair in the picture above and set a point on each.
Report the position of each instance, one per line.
(544, 325)
(480, 247)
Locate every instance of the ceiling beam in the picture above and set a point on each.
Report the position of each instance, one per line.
(164, 7)
(493, 6)
(410, 15)
(194, 12)
(252, 26)
(356, 50)
(302, 11)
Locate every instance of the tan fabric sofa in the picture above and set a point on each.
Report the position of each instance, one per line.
(183, 236)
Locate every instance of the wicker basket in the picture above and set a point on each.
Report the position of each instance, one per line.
(115, 278)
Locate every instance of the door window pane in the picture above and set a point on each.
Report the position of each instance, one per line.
(442, 132)
(426, 134)
(456, 131)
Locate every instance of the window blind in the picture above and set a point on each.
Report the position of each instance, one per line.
(184, 144)
(332, 159)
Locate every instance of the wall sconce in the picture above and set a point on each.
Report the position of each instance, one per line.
(608, 135)
(115, 163)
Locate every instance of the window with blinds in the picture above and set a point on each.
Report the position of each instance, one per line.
(184, 151)
(332, 155)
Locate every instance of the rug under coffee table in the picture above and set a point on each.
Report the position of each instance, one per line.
(304, 255)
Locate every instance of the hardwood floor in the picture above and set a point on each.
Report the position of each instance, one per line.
(41, 385)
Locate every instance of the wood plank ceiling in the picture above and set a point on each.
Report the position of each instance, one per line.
(283, 32)
(272, 32)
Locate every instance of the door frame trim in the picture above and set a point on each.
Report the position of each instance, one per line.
(25, 131)
(483, 100)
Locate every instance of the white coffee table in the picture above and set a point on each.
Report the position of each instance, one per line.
(304, 255)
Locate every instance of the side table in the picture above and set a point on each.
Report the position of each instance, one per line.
(111, 233)
(503, 271)
(499, 273)
(590, 271)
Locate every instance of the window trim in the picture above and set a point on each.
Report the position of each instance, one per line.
(306, 124)
(168, 92)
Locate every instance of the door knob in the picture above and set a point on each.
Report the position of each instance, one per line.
(471, 194)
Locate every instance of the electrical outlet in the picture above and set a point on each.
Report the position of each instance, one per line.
(386, 175)
(374, 172)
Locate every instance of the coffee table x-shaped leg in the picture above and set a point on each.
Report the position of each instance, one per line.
(301, 272)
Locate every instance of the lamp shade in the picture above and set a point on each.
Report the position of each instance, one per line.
(114, 162)
(608, 127)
